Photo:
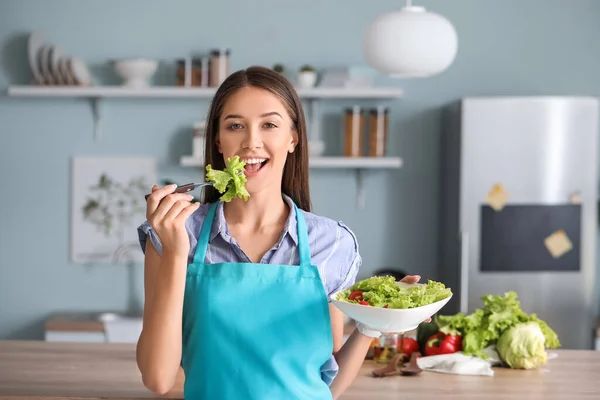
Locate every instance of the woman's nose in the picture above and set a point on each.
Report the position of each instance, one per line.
(253, 139)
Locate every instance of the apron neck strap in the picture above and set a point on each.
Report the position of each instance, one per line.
(303, 247)
(202, 246)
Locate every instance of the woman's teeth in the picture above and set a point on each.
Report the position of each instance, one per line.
(254, 164)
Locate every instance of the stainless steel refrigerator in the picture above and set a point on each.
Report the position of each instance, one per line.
(518, 206)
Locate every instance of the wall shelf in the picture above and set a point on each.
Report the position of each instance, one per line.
(174, 92)
(326, 162)
(360, 164)
(312, 95)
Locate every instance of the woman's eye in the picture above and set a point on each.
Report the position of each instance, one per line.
(270, 125)
(235, 127)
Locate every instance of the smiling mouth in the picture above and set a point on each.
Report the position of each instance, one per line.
(255, 164)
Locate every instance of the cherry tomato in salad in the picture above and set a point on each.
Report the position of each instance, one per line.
(364, 303)
(356, 295)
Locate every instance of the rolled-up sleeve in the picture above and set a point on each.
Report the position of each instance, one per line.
(329, 371)
(146, 231)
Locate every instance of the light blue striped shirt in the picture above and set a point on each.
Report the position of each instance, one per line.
(333, 249)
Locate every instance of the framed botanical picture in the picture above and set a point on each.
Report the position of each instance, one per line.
(107, 206)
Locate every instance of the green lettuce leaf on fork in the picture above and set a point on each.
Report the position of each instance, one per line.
(231, 182)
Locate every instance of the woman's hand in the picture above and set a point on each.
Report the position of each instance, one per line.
(413, 279)
(167, 212)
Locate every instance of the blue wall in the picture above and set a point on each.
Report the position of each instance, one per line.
(506, 47)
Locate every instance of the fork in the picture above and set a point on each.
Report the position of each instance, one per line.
(188, 187)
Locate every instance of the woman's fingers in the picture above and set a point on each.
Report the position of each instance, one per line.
(156, 196)
(411, 279)
(176, 209)
(186, 212)
(169, 202)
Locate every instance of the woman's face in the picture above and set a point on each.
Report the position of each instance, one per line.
(255, 126)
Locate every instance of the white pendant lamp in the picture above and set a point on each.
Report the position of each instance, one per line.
(410, 42)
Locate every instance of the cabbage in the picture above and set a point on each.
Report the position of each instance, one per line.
(523, 346)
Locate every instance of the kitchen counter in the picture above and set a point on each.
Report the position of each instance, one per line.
(41, 370)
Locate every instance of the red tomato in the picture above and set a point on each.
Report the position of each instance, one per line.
(356, 295)
(409, 346)
(364, 303)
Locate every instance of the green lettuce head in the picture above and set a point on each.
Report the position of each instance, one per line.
(523, 346)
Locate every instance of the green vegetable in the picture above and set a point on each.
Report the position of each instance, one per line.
(523, 346)
(425, 330)
(382, 291)
(485, 326)
(230, 181)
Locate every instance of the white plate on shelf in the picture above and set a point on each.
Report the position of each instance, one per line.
(389, 319)
(80, 71)
(35, 42)
(56, 54)
(63, 66)
(44, 64)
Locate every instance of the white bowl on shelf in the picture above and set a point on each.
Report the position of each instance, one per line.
(316, 148)
(135, 71)
(391, 320)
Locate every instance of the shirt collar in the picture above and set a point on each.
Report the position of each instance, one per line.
(290, 228)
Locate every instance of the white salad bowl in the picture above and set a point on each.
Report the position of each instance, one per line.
(389, 319)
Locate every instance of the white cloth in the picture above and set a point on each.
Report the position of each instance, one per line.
(458, 363)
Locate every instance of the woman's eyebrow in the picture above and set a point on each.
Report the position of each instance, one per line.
(233, 116)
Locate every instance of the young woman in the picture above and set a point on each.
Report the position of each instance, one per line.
(237, 293)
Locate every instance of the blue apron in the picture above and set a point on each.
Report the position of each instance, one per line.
(255, 331)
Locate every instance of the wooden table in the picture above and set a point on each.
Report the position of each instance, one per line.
(40, 370)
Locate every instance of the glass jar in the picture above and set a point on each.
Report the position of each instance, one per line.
(378, 131)
(184, 73)
(200, 72)
(354, 132)
(386, 349)
(219, 66)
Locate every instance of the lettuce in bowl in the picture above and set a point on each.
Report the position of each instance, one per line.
(385, 292)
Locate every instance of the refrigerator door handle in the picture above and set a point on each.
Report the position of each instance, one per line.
(464, 272)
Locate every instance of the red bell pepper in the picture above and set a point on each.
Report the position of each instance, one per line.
(440, 343)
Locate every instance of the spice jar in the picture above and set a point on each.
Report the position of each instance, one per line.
(192, 72)
(354, 132)
(219, 66)
(378, 131)
(184, 72)
(386, 349)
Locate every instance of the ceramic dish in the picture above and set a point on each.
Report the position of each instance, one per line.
(389, 319)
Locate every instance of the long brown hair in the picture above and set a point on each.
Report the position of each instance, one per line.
(295, 171)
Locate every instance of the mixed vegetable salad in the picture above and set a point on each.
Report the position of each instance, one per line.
(231, 182)
(382, 291)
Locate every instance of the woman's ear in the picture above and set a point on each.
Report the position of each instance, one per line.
(293, 142)
(218, 143)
